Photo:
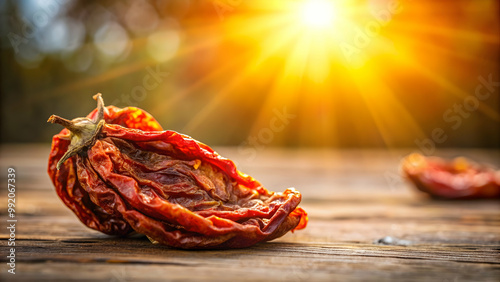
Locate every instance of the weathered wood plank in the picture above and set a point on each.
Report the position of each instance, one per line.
(270, 261)
(129, 250)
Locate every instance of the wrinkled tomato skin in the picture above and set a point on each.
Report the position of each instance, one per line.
(163, 184)
(66, 182)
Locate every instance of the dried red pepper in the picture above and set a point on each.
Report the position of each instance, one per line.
(119, 172)
(456, 179)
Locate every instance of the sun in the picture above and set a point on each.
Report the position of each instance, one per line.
(317, 13)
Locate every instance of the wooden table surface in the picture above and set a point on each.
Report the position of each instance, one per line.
(353, 197)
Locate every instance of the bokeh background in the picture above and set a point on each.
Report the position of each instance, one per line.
(358, 73)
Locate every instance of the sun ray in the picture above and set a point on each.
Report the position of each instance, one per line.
(394, 123)
(229, 86)
(449, 86)
(437, 50)
(170, 101)
(260, 25)
(94, 80)
(405, 27)
(287, 82)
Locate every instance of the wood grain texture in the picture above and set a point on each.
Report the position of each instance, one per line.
(353, 198)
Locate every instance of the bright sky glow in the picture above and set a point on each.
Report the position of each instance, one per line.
(318, 13)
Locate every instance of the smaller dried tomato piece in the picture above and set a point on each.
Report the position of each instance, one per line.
(459, 178)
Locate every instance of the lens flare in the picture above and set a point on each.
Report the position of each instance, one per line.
(318, 13)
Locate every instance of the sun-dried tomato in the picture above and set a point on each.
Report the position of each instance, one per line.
(456, 179)
(119, 172)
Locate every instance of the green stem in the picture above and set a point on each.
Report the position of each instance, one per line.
(83, 131)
